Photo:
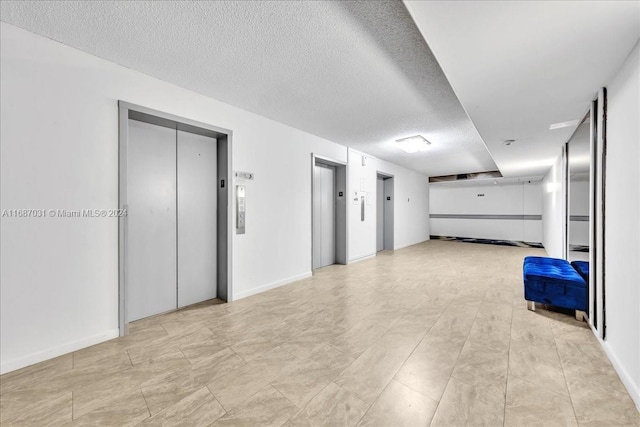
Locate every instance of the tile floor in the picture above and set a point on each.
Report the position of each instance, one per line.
(435, 334)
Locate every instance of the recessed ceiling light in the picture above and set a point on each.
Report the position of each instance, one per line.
(564, 124)
(413, 144)
(508, 142)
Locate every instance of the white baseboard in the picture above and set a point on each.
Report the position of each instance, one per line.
(271, 285)
(41, 356)
(362, 258)
(395, 248)
(629, 383)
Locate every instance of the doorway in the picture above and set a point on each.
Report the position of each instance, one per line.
(174, 240)
(384, 212)
(329, 216)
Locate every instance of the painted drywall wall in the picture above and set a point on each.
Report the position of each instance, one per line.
(361, 184)
(410, 206)
(622, 238)
(553, 216)
(502, 198)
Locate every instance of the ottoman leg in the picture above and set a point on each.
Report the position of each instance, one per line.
(531, 305)
(580, 315)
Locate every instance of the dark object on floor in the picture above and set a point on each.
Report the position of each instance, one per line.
(554, 281)
(489, 241)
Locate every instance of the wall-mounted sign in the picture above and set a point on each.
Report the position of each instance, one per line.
(244, 175)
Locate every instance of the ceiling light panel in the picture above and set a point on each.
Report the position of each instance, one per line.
(413, 144)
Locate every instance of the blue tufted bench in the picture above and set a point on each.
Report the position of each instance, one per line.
(554, 281)
(582, 267)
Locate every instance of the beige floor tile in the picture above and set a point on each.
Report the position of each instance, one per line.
(36, 409)
(209, 369)
(127, 410)
(466, 405)
(311, 340)
(165, 391)
(398, 405)
(303, 380)
(495, 335)
(201, 350)
(370, 373)
(429, 368)
(266, 408)
(357, 339)
(333, 406)
(600, 399)
(239, 384)
(34, 376)
(332, 357)
(530, 405)
(483, 366)
(92, 395)
(539, 364)
(102, 393)
(197, 409)
(260, 342)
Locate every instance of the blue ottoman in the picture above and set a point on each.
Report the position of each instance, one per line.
(582, 267)
(555, 282)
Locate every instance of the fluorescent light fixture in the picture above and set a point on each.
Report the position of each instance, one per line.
(564, 124)
(413, 144)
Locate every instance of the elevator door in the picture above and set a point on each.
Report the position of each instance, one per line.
(172, 223)
(197, 205)
(380, 215)
(151, 232)
(324, 214)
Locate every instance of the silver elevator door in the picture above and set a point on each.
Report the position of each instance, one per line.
(324, 214)
(172, 223)
(197, 203)
(151, 230)
(380, 215)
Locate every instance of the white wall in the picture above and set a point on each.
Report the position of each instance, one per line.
(553, 220)
(622, 215)
(59, 277)
(361, 180)
(410, 204)
(503, 198)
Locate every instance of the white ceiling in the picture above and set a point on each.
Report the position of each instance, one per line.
(357, 73)
(518, 67)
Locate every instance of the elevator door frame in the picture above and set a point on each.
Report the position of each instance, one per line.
(224, 215)
(341, 223)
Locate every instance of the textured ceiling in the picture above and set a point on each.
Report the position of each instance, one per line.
(517, 67)
(357, 73)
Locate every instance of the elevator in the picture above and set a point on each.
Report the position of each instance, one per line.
(384, 212)
(174, 238)
(328, 213)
